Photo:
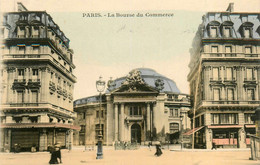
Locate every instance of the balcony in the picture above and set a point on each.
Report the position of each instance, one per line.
(249, 79)
(34, 106)
(19, 84)
(230, 55)
(134, 118)
(229, 103)
(22, 57)
(52, 86)
(34, 83)
(59, 90)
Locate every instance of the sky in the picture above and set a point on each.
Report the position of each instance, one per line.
(113, 46)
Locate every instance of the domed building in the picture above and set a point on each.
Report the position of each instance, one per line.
(140, 107)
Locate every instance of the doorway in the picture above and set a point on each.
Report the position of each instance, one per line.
(135, 133)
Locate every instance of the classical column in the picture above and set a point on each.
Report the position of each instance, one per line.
(116, 121)
(121, 124)
(148, 121)
(148, 117)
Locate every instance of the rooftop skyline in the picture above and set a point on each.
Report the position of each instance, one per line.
(112, 47)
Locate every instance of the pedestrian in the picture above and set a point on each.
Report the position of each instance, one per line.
(158, 150)
(214, 146)
(125, 145)
(17, 148)
(55, 154)
(149, 145)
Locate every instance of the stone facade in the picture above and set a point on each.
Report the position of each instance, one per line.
(37, 82)
(143, 106)
(224, 78)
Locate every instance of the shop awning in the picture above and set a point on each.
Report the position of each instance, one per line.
(193, 130)
(250, 126)
(39, 125)
(225, 126)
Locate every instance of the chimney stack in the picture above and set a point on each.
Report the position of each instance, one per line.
(230, 7)
(21, 7)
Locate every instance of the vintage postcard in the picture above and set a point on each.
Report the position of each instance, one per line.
(130, 82)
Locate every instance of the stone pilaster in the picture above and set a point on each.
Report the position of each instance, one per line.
(43, 141)
(242, 138)
(209, 138)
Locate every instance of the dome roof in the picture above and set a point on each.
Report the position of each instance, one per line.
(150, 76)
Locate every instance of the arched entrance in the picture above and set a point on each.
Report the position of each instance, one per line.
(136, 133)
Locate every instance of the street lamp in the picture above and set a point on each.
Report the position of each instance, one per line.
(100, 85)
(181, 118)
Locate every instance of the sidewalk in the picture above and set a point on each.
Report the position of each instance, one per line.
(78, 156)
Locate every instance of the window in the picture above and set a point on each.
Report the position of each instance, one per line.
(250, 74)
(20, 97)
(135, 111)
(228, 49)
(102, 113)
(35, 72)
(214, 49)
(248, 50)
(20, 72)
(35, 32)
(215, 72)
(229, 73)
(250, 94)
(174, 112)
(248, 118)
(247, 32)
(230, 94)
(227, 31)
(34, 97)
(216, 94)
(21, 32)
(226, 118)
(213, 32)
(21, 49)
(36, 49)
(51, 75)
(174, 127)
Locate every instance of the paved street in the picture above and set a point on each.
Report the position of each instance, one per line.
(134, 157)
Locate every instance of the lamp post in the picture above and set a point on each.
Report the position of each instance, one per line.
(100, 85)
(181, 118)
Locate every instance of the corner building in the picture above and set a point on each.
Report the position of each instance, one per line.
(37, 82)
(224, 78)
(143, 106)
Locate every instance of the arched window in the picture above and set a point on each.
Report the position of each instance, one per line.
(213, 29)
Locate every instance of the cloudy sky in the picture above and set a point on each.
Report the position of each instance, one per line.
(112, 47)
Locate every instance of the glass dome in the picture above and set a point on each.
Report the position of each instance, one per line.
(150, 76)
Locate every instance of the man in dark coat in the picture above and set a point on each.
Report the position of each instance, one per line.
(158, 150)
(55, 154)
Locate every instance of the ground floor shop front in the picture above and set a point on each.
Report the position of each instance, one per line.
(34, 139)
(224, 136)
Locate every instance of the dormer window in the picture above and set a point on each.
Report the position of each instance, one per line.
(21, 32)
(213, 29)
(226, 29)
(213, 32)
(246, 30)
